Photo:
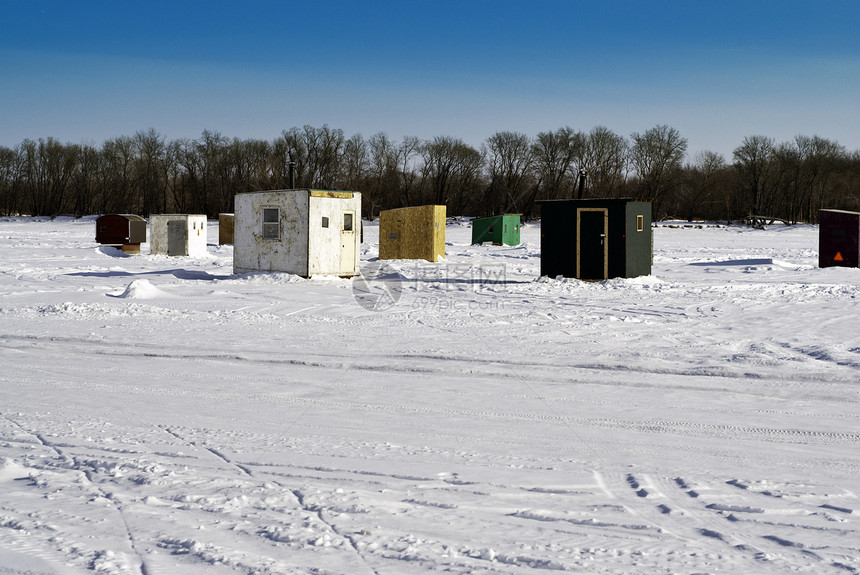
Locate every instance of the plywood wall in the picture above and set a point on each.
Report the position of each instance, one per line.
(416, 233)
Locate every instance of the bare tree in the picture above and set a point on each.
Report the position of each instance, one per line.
(176, 199)
(295, 150)
(48, 168)
(509, 163)
(467, 182)
(145, 173)
(354, 164)
(450, 169)
(753, 163)
(85, 180)
(656, 157)
(701, 182)
(211, 151)
(11, 179)
(149, 170)
(382, 177)
(603, 155)
(118, 176)
(821, 161)
(258, 156)
(553, 155)
(408, 152)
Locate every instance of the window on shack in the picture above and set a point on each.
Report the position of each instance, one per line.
(271, 224)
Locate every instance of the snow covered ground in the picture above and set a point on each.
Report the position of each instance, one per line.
(162, 416)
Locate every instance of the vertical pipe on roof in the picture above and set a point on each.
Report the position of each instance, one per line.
(582, 175)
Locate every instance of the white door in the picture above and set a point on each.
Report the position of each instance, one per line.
(347, 244)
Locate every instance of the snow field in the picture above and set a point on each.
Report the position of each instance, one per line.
(162, 415)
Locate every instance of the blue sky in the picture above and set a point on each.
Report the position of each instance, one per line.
(717, 71)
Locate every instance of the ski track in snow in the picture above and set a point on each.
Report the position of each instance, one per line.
(161, 415)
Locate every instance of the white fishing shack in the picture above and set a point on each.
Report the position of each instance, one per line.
(303, 232)
(177, 235)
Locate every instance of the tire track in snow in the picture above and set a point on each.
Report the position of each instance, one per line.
(433, 364)
(299, 497)
(212, 451)
(692, 428)
(670, 505)
(736, 520)
(76, 465)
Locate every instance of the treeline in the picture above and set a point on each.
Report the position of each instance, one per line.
(147, 174)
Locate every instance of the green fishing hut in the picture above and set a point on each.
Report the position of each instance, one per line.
(501, 230)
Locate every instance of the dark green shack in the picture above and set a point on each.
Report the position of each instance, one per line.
(595, 239)
(504, 229)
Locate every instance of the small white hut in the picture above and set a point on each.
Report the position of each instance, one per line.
(177, 235)
(303, 232)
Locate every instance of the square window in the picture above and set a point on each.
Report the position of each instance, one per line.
(347, 222)
(640, 223)
(324, 221)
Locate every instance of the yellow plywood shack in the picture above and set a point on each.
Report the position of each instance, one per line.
(412, 233)
(225, 228)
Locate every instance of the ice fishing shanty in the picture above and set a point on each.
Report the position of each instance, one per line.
(501, 230)
(177, 235)
(838, 238)
(303, 232)
(126, 231)
(416, 233)
(225, 228)
(595, 239)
